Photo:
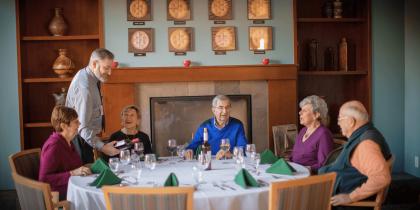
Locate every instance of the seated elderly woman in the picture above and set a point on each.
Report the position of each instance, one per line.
(314, 142)
(59, 159)
(130, 133)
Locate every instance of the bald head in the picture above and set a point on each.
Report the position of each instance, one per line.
(356, 110)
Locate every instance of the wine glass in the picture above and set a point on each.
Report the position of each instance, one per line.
(139, 149)
(125, 157)
(137, 169)
(225, 146)
(134, 156)
(150, 161)
(172, 147)
(114, 164)
(238, 151)
(257, 160)
(180, 151)
(250, 148)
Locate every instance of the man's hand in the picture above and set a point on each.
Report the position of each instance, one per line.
(188, 154)
(340, 199)
(220, 154)
(109, 149)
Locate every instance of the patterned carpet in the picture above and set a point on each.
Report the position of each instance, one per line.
(404, 194)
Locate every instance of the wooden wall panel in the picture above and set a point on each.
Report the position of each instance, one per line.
(116, 97)
(282, 105)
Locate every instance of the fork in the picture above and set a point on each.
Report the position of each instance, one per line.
(218, 186)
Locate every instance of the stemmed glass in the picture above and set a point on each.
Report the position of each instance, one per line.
(172, 147)
(139, 149)
(250, 148)
(237, 151)
(150, 161)
(257, 159)
(225, 146)
(114, 164)
(125, 157)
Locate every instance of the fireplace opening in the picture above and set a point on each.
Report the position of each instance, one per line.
(178, 117)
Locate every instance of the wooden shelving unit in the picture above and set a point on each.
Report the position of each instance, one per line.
(37, 51)
(335, 86)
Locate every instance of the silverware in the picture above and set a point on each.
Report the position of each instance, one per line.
(262, 182)
(218, 186)
(227, 186)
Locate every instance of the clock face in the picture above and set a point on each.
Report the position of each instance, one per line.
(220, 8)
(138, 10)
(178, 10)
(140, 40)
(179, 39)
(260, 38)
(224, 38)
(259, 9)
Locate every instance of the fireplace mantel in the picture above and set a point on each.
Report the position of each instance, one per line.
(281, 79)
(204, 73)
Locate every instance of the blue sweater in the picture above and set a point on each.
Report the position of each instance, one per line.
(234, 131)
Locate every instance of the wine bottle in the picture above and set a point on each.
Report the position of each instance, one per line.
(206, 148)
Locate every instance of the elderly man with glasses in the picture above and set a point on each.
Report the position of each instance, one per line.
(221, 126)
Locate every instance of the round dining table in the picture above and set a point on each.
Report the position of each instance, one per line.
(216, 188)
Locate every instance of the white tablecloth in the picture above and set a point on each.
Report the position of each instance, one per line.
(206, 197)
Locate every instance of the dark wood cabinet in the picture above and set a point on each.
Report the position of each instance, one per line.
(37, 51)
(332, 84)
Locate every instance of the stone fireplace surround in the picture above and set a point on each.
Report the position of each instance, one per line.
(272, 87)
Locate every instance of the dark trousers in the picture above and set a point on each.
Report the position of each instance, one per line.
(83, 148)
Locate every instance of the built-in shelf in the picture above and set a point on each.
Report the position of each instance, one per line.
(332, 73)
(38, 125)
(61, 38)
(47, 80)
(331, 20)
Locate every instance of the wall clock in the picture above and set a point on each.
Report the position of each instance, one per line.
(180, 39)
(259, 9)
(140, 40)
(223, 38)
(138, 10)
(220, 9)
(260, 38)
(179, 10)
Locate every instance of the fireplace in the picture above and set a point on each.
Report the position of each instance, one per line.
(178, 117)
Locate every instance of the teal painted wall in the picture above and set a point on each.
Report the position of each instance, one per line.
(412, 85)
(388, 74)
(9, 112)
(116, 35)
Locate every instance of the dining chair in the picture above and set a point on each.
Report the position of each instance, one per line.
(313, 193)
(26, 163)
(284, 138)
(35, 195)
(380, 196)
(142, 198)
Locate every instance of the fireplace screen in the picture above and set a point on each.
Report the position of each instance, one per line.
(179, 117)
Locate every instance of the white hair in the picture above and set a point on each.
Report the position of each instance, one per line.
(220, 98)
(318, 106)
(357, 112)
(101, 54)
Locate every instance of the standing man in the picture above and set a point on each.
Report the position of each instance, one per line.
(84, 96)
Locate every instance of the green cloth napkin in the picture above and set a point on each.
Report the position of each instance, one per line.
(98, 166)
(245, 179)
(171, 181)
(281, 167)
(268, 157)
(107, 177)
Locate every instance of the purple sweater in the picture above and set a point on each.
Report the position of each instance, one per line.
(315, 149)
(57, 160)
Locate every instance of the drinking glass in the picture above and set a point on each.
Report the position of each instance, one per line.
(150, 161)
(237, 151)
(134, 156)
(180, 151)
(137, 169)
(250, 148)
(225, 146)
(172, 147)
(114, 164)
(125, 157)
(257, 160)
(139, 149)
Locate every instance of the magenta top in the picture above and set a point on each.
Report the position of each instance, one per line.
(314, 150)
(57, 160)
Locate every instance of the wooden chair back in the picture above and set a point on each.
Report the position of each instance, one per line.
(284, 138)
(143, 198)
(35, 195)
(26, 163)
(312, 193)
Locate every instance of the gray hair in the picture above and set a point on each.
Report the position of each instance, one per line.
(318, 106)
(219, 98)
(101, 54)
(356, 110)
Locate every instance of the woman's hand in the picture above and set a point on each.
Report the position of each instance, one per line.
(81, 171)
(188, 154)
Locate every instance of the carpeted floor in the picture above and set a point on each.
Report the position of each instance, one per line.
(404, 194)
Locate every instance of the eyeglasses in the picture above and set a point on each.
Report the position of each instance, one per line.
(220, 108)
